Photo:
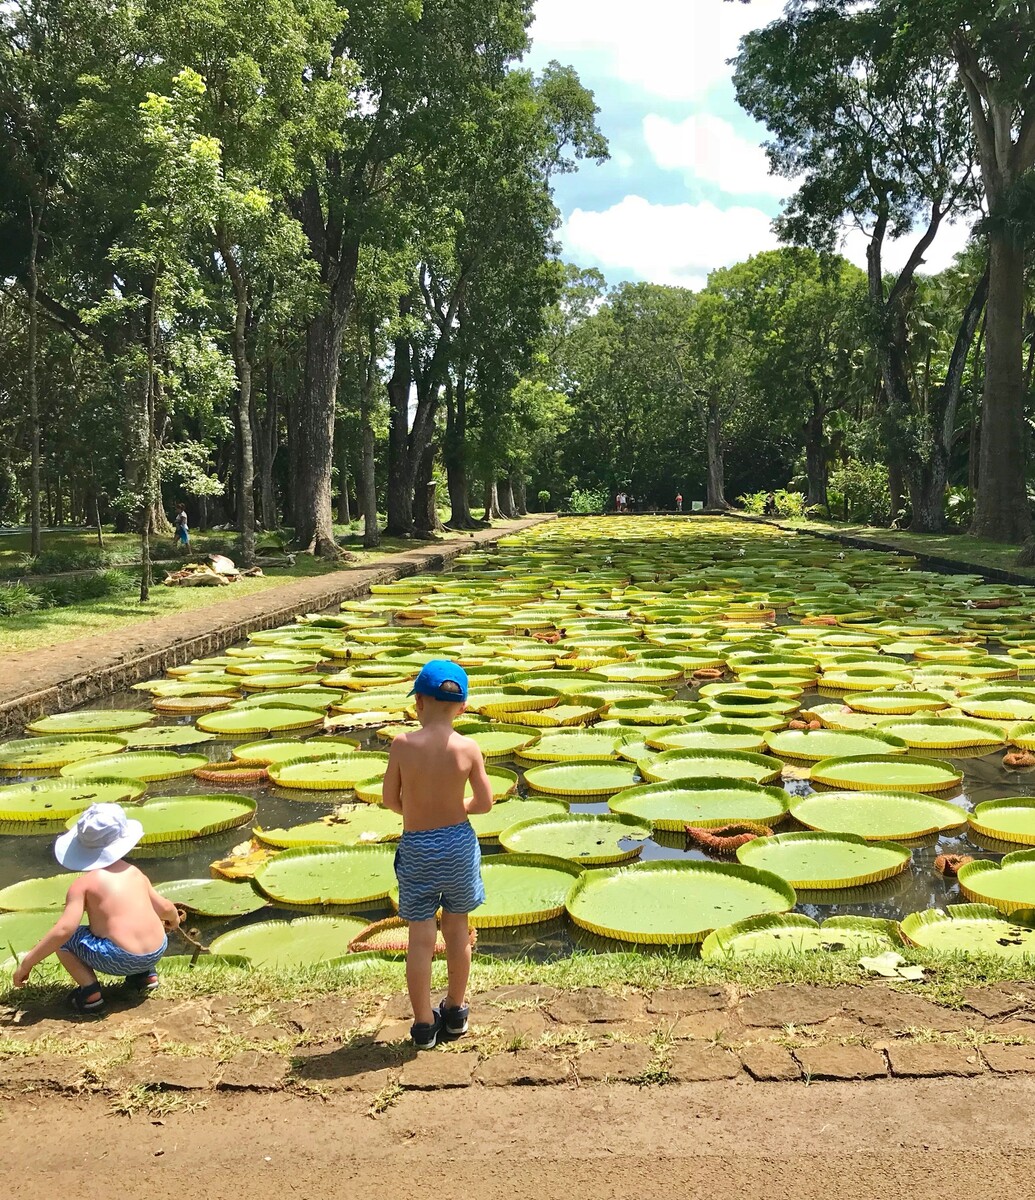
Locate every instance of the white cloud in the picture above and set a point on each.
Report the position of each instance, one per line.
(708, 148)
(676, 244)
(672, 48)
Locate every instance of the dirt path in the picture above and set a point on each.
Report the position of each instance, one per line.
(62, 676)
(721, 1140)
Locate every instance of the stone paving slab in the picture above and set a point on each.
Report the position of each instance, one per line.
(921, 1061)
(841, 1062)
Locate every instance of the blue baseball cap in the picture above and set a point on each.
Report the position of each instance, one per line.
(441, 680)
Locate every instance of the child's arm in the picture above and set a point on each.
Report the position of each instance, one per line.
(63, 928)
(481, 799)
(164, 908)
(391, 790)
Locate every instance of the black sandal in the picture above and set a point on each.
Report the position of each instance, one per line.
(82, 1002)
(145, 981)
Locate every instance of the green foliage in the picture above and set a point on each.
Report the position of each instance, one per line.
(587, 500)
(959, 507)
(788, 504)
(859, 492)
(16, 599)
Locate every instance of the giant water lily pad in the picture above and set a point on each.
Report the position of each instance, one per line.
(302, 942)
(213, 897)
(944, 733)
(523, 889)
(281, 750)
(48, 892)
(1010, 820)
(970, 929)
(587, 838)
(722, 735)
(704, 803)
(59, 799)
(1008, 885)
(180, 818)
(794, 934)
(891, 702)
(815, 744)
(330, 772)
(592, 777)
(878, 816)
(249, 721)
(166, 737)
(110, 720)
(672, 903)
(731, 764)
(147, 766)
(353, 825)
(501, 783)
(20, 931)
(504, 813)
(31, 755)
(880, 772)
(351, 875)
(501, 741)
(825, 860)
(576, 746)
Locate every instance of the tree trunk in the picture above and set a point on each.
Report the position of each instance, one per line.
(492, 504)
(312, 439)
(344, 514)
(400, 481)
(425, 499)
(896, 489)
(815, 458)
(148, 498)
(35, 539)
(506, 499)
(716, 464)
(1002, 513)
(454, 452)
(243, 412)
(265, 440)
(368, 479)
(521, 496)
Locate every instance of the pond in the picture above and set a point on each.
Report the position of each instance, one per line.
(711, 639)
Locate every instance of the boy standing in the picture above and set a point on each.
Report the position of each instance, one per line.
(126, 934)
(438, 862)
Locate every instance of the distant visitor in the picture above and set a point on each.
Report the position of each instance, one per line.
(181, 533)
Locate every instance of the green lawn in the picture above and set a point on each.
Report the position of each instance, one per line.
(51, 626)
(960, 547)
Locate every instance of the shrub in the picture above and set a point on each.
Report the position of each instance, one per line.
(587, 500)
(959, 506)
(860, 491)
(102, 586)
(16, 598)
(544, 500)
(77, 558)
(788, 504)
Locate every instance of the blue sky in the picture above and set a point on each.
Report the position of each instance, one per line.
(687, 189)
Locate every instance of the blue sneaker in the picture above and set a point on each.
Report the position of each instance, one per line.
(452, 1019)
(425, 1037)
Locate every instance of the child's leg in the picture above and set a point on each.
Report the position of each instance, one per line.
(457, 936)
(423, 935)
(79, 971)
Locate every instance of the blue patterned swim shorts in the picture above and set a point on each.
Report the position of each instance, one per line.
(439, 868)
(102, 954)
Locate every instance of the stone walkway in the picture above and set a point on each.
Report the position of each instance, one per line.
(524, 1035)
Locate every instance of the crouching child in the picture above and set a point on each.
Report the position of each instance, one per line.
(127, 920)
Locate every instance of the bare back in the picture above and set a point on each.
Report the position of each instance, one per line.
(119, 906)
(434, 765)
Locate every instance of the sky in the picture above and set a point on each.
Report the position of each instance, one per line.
(687, 188)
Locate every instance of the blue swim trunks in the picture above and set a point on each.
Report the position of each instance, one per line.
(439, 868)
(102, 954)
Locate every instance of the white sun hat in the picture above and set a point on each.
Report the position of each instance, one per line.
(102, 835)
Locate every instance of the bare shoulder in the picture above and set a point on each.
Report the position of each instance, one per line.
(468, 747)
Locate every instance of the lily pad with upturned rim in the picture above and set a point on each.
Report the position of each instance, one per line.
(250, 722)
(885, 772)
(705, 803)
(732, 764)
(20, 931)
(591, 777)
(31, 755)
(362, 824)
(350, 875)
(302, 942)
(181, 818)
(109, 720)
(587, 838)
(58, 799)
(894, 703)
(673, 903)
(278, 750)
(816, 744)
(795, 934)
(1008, 885)
(969, 929)
(721, 735)
(944, 733)
(48, 892)
(212, 897)
(878, 816)
(504, 813)
(147, 766)
(1011, 819)
(815, 860)
(523, 889)
(331, 772)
